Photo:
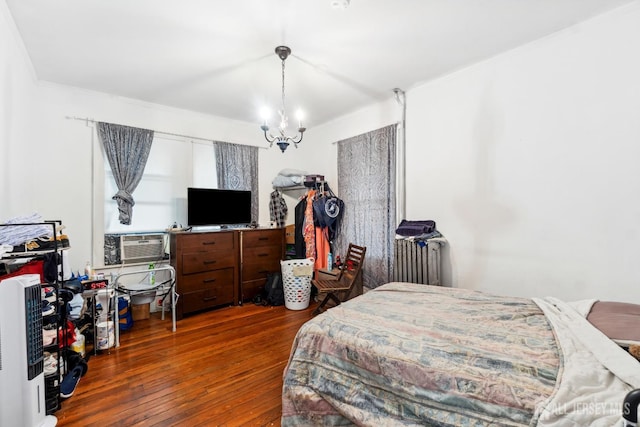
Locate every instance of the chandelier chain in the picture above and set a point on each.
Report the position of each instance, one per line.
(283, 106)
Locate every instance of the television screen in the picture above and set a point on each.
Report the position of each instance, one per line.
(206, 206)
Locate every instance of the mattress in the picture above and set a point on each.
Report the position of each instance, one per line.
(407, 354)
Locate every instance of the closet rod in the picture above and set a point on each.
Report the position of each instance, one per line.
(88, 120)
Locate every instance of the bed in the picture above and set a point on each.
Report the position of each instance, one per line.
(415, 355)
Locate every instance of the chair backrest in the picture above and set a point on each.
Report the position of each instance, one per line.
(352, 265)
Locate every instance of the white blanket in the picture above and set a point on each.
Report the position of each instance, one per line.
(597, 373)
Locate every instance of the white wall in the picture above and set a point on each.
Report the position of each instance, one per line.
(16, 100)
(529, 164)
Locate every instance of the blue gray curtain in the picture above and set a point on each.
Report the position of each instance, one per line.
(366, 184)
(237, 169)
(127, 149)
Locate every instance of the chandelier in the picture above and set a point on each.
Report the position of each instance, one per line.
(281, 139)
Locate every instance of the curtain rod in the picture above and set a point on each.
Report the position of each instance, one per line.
(88, 120)
(390, 124)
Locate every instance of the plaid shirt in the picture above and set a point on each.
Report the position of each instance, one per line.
(277, 208)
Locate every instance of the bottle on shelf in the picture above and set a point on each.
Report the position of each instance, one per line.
(152, 274)
(88, 271)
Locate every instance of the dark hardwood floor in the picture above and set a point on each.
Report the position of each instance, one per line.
(220, 368)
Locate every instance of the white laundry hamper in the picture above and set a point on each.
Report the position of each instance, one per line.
(296, 282)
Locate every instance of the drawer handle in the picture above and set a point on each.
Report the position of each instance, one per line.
(209, 262)
(263, 254)
(263, 238)
(208, 280)
(208, 243)
(209, 298)
(265, 272)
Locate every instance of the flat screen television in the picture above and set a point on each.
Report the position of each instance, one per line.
(208, 207)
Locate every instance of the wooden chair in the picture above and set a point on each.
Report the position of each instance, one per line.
(338, 289)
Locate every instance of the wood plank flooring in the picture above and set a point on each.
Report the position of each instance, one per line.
(220, 368)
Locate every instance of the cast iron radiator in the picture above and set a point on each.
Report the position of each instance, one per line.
(417, 262)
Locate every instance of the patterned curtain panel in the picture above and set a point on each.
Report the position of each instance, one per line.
(237, 168)
(366, 184)
(127, 149)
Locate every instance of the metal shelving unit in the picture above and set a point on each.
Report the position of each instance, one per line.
(52, 380)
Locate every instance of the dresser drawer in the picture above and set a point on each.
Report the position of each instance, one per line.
(217, 279)
(197, 262)
(257, 262)
(207, 298)
(251, 255)
(260, 271)
(207, 241)
(264, 237)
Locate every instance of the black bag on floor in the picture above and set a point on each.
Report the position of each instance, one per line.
(274, 289)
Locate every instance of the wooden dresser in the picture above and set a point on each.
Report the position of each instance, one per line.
(261, 252)
(207, 270)
(224, 267)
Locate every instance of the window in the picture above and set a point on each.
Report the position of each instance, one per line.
(160, 198)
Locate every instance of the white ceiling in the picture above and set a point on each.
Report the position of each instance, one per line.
(217, 57)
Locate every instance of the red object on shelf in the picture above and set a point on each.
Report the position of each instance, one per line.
(31, 267)
(70, 335)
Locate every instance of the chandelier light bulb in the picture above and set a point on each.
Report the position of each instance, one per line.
(265, 114)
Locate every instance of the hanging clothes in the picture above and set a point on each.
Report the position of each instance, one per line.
(308, 230)
(278, 208)
(323, 247)
(328, 210)
(300, 210)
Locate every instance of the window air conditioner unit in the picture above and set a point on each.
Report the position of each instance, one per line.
(136, 248)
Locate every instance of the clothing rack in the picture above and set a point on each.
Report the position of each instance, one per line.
(320, 185)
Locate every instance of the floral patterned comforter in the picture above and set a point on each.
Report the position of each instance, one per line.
(408, 354)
